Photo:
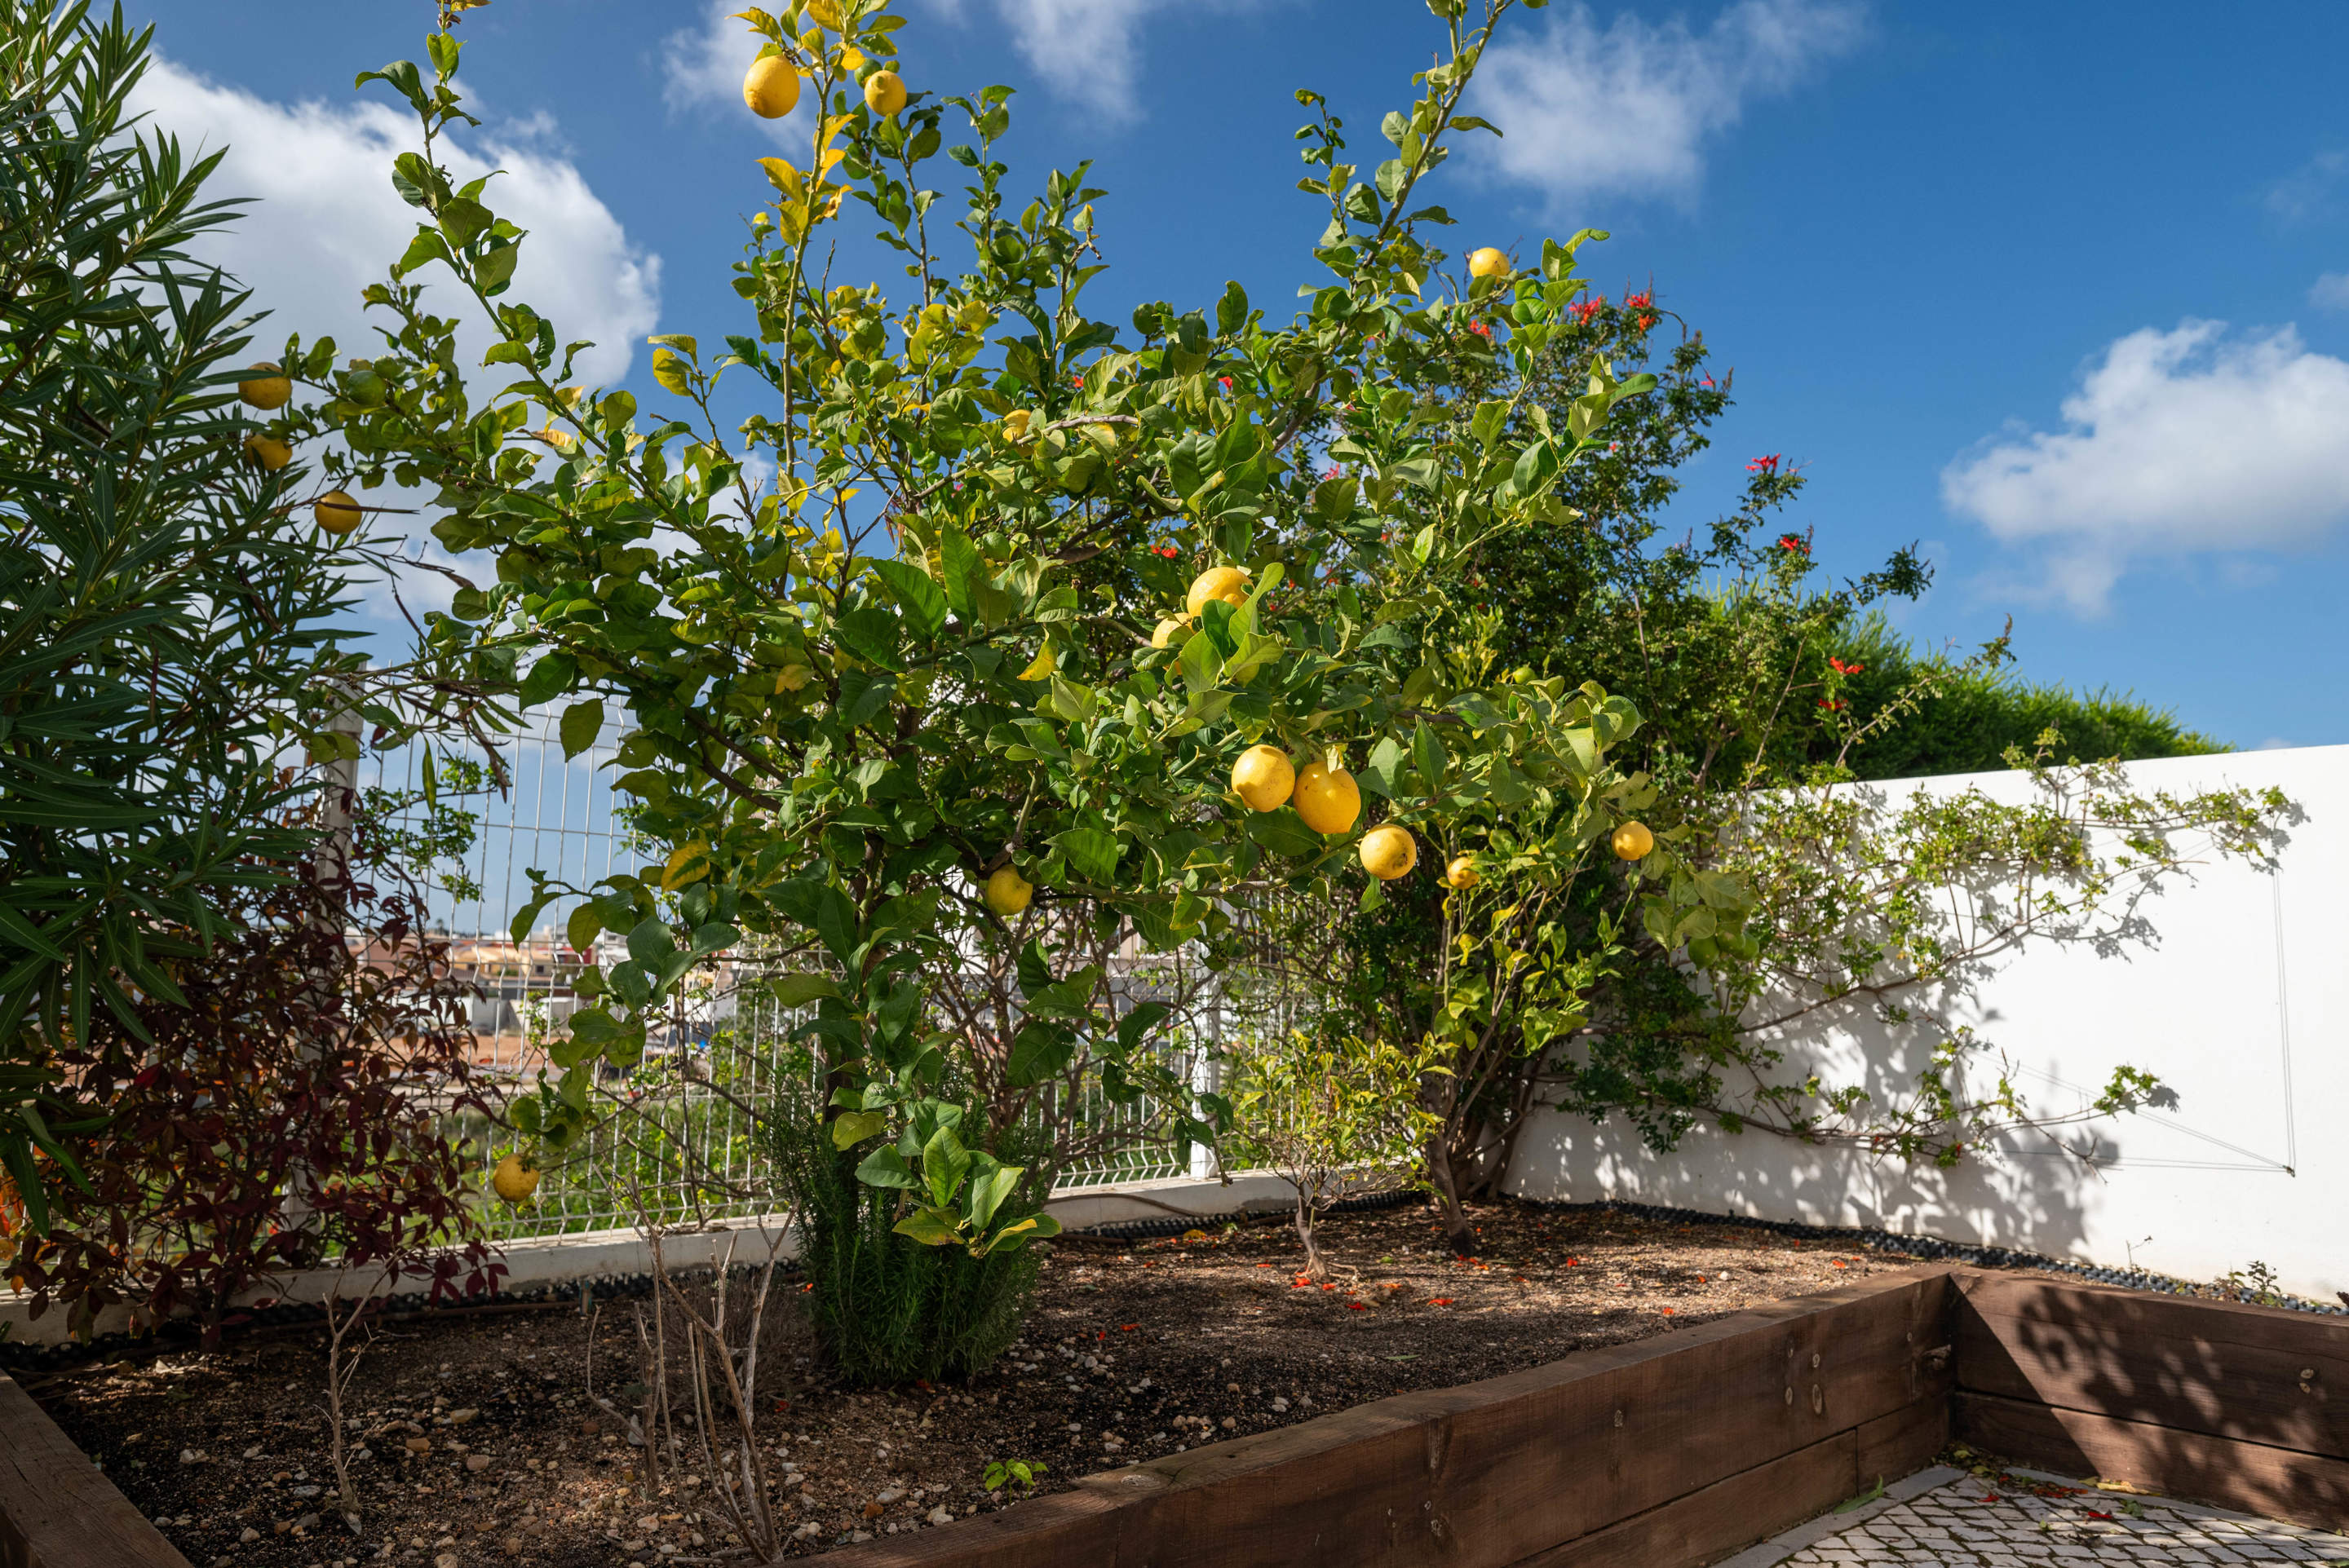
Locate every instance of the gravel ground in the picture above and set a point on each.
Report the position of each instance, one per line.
(486, 1443)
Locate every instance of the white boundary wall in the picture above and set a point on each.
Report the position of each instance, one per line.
(2232, 988)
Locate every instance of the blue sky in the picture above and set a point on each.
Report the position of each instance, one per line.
(2062, 292)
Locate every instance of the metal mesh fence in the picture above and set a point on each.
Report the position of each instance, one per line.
(678, 1140)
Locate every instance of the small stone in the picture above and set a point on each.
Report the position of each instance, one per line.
(891, 1495)
(460, 1417)
(307, 1521)
(632, 1546)
(446, 1560)
(416, 1445)
(249, 1537)
(1230, 1425)
(510, 1546)
(874, 1511)
(191, 1456)
(256, 1452)
(941, 1515)
(477, 1463)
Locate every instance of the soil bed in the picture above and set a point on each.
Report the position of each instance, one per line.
(1135, 1350)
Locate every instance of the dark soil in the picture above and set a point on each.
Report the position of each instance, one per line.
(1135, 1350)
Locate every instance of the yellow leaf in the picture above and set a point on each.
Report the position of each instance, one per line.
(688, 863)
(1041, 670)
(670, 370)
(781, 175)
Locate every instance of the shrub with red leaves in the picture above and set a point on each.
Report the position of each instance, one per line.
(293, 1113)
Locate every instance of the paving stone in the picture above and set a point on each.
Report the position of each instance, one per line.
(1961, 1524)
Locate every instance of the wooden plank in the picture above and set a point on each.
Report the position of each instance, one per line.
(1722, 1518)
(2215, 1367)
(1494, 1473)
(2279, 1483)
(1903, 1442)
(57, 1511)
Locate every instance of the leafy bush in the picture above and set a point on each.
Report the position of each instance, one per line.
(288, 1110)
(1342, 1120)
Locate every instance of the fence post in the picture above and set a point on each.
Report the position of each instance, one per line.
(1207, 1074)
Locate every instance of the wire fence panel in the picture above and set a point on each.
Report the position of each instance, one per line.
(677, 1145)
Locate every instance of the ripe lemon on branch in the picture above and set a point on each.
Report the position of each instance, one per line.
(1263, 778)
(884, 93)
(1632, 841)
(1166, 630)
(1327, 798)
(1461, 872)
(337, 514)
(1487, 262)
(515, 1179)
(1007, 892)
(1388, 851)
(1228, 583)
(267, 452)
(267, 387)
(772, 88)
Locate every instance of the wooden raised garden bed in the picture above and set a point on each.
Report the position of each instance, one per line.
(1675, 1450)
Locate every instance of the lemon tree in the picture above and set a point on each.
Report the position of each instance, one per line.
(970, 645)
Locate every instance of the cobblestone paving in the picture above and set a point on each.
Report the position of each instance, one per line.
(1966, 1523)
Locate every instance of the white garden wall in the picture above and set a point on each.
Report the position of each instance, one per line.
(2233, 989)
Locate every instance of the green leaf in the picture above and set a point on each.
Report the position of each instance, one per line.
(960, 558)
(885, 1167)
(871, 633)
(799, 990)
(931, 1227)
(854, 1127)
(548, 678)
(582, 723)
(1284, 833)
(1092, 852)
(1040, 1051)
(925, 606)
(988, 1192)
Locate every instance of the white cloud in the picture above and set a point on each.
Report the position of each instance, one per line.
(1627, 110)
(2310, 190)
(2331, 291)
(2178, 442)
(702, 68)
(326, 221)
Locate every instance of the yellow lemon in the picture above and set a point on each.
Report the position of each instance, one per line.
(884, 93)
(824, 14)
(268, 388)
(1168, 629)
(268, 451)
(1263, 778)
(1228, 583)
(337, 514)
(1388, 851)
(1487, 262)
(1461, 872)
(513, 1180)
(1329, 800)
(770, 86)
(1632, 841)
(1007, 892)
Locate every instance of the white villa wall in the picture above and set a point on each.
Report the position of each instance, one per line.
(2234, 992)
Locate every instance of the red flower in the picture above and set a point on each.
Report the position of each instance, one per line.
(1128, 1328)
(1794, 542)
(1078, 379)
(1356, 1306)
(1841, 668)
(1168, 550)
(1585, 309)
(1834, 704)
(1768, 464)
(1439, 1301)
(1334, 471)
(1480, 329)
(2093, 1513)
(1225, 382)
(1667, 1312)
